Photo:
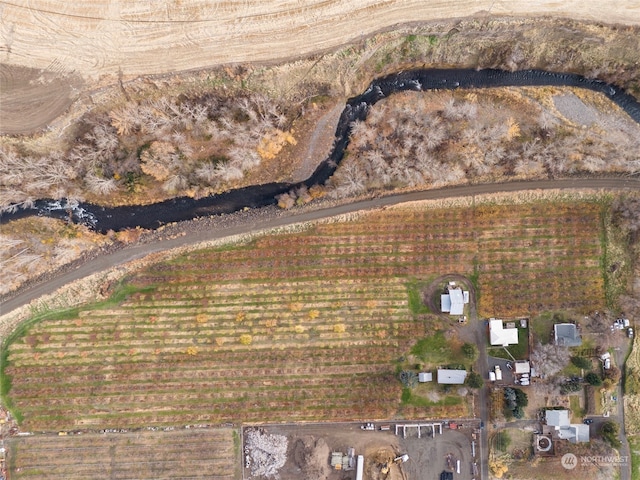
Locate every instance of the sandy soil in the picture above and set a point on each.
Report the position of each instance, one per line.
(108, 37)
(30, 99)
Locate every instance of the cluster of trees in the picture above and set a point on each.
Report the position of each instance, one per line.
(514, 402)
(405, 143)
(188, 144)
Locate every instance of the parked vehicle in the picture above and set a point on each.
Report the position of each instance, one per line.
(588, 421)
(630, 332)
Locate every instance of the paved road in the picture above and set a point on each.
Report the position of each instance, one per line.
(139, 251)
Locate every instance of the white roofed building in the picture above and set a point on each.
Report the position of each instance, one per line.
(453, 302)
(498, 335)
(451, 377)
(522, 366)
(563, 429)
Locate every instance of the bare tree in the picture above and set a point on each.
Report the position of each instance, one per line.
(550, 359)
(99, 185)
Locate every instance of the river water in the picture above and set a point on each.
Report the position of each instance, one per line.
(154, 215)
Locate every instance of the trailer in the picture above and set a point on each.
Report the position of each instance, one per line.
(492, 376)
(498, 372)
(360, 467)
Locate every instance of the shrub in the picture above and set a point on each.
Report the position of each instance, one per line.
(408, 378)
(474, 380)
(581, 362)
(593, 379)
(246, 339)
(609, 431)
(522, 400)
(470, 351)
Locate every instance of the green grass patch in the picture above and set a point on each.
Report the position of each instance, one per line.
(412, 398)
(416, 304)
(542, 326)
(434, 349)
(519, 351)
(576, 410)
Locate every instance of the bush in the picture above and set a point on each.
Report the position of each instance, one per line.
(522, 400)
(474, 380)
(569, 386)
(470, 351)
(609, 431)
(581, 362)
(408, 378)
(593, 379)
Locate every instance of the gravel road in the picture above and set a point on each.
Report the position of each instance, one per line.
(251, 221)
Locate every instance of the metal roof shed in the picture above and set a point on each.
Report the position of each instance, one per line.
(522, 366)
(445, 300)
(451, 377)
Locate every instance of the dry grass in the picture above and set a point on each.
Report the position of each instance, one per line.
(632, 391)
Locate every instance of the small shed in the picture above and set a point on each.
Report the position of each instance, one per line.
(425, 377)
(451, 377)
(522, 366)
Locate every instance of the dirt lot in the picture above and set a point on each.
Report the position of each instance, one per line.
(310, 448)
(36, 97)
(104, 37)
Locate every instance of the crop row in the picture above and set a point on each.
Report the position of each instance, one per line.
(295, 326)
(144, 455)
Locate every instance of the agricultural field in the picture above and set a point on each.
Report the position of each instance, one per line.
(299, 326)
(203, 453)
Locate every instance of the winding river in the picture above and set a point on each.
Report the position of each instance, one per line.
(154, 215)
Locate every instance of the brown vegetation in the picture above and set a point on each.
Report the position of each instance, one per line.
(306, 326)
(190, 145)
(434, 139)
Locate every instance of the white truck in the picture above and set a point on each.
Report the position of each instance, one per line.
(498, 372)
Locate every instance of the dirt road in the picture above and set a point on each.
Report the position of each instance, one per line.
(128, 254)
(105, 37)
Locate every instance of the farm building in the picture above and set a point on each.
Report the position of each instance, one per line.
(522, 366)
(560, 427)
(566, 335)
(451, 377)
(425, 377)
(454, 301)
(498, 335)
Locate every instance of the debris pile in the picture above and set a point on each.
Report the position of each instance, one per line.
(266, 453)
